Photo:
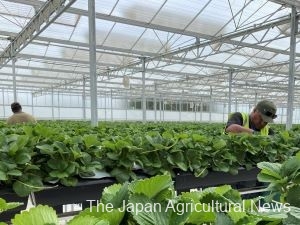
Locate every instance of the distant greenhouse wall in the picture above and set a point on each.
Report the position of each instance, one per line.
(65, 106)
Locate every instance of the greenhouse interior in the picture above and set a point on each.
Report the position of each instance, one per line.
(137, 98)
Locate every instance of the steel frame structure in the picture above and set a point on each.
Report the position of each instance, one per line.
(255, 51)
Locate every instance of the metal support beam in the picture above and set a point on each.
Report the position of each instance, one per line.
(14, 78)
(111, 106)
(294, 29)
(229, 90)
(48, 13)
(143, 89)
(154, 106)
(223, 38)
(32, 108)
(58, 105)
(93, 75)
(3, 102)
(210, 103)
(52, 104)
(84, 99)
(290, 3)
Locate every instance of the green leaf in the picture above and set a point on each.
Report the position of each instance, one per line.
(202, 214)
(57, 164)
(236, 215)
(69, 181)
(223, 219)
(27, 184)
(151, 186)
(91, 140)
(58, 174)
(46, 149)
(147, 212)
(272, 215)
(271, 169)
(87, 220)
(120, 174)
(39, 215)
(60, 146)
(3, 175)
(219, 144)
(115, 194)
(266, 178)
(23, 158)
(104, 212)
(291, 220)
(4, 206)
(293, 196)
(290, 167)
(16, 173)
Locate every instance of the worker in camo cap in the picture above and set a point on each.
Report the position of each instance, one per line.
(255, 122)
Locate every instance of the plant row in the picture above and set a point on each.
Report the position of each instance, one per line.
(154, 201)
(61, 153)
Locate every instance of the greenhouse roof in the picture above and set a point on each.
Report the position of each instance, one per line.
(189, 47)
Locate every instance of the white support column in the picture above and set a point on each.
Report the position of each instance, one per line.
(201, 110)
(3, 101)
(111, 106)
(93, 74)
(52, 103)
(180, 106)
(126, 106)
(32, 109)
(290, 100)
(230, 90)
(143, 90)
(84, 99)
(224, 106)
(154, 104)
(210, 103)
(58, 105)
(105, 106)
(255, 100)
(160, 108)
(195, 110)
(14, 79)
(282, 111)
(163, 109)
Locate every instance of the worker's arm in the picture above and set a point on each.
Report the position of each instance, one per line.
(236, 128)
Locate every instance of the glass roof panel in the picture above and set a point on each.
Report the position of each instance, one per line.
(55, 51)
(181, 12)
(9, 24)
(24, 71)
(105, 6)
(81, 55)
(145, 28)
(67, 19)
(80, 4)
(3, 44)
(36, 49)
(128, 33)
(19, 10)
(58, 31)
(282, 44)
(138, 10)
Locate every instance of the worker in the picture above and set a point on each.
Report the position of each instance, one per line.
(254, 123)
(19, 116)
